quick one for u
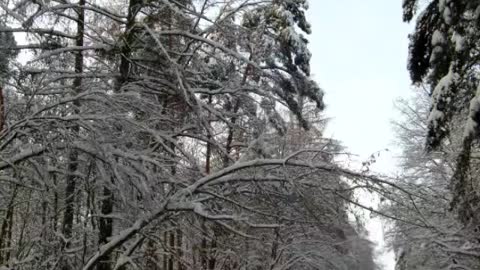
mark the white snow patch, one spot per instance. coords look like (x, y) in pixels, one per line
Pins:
(441, 92)
(444, 9)
(438, 42)
(447, 16)
(441, 5)
(459, 42)
(435, 117)
(471, 126)
(438, 38)
(436, 52)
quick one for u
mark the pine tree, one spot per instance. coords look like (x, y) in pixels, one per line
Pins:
(443, 55)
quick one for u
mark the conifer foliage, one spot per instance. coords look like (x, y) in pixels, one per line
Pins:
(444, 56)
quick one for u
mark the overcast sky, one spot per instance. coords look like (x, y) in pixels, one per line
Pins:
(359, 58)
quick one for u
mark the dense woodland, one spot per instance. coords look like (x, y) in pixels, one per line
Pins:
(168, 135)
(438, 212)
(188, 134)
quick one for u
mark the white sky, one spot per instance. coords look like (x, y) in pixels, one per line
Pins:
(360, 51)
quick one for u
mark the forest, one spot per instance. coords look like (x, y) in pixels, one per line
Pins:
(190, 135)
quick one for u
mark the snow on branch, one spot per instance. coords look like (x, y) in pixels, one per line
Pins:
(68, 49)
(52, 32)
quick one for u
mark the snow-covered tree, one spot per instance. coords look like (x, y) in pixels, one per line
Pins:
(145, 135)
(444, 56)
(425, 233)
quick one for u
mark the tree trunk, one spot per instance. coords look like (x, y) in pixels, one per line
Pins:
(203, 247)
(73, 156)
(204, 254)
(105, 226)
(5, 232)
(2, 110)
(212, 258)
(105, 222)
(165, 255)
(180, 249)
(55, 203)
(171, 241)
